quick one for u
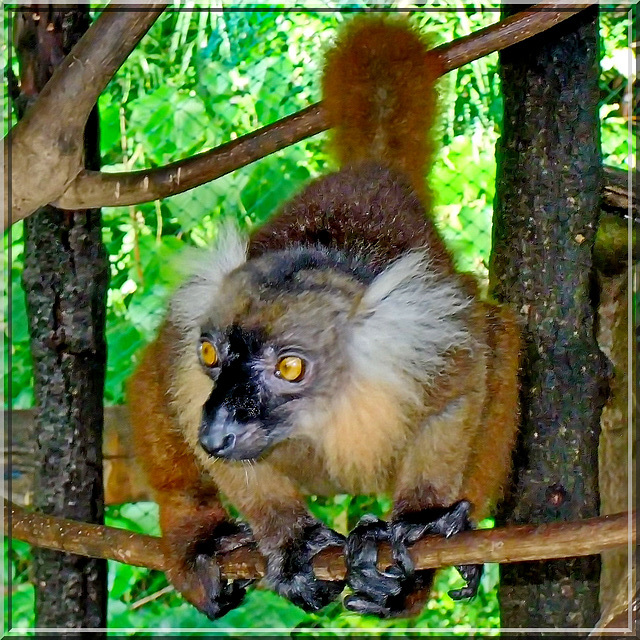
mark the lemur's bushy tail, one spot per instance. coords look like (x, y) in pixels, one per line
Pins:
(379, 94)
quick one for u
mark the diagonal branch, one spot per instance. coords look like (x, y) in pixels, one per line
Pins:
(116, 189)
(44, 149)
(507, 32)
(95, 189)
(509, 544)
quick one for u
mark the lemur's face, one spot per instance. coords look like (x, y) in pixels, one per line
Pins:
(281, 353)
(282, 339)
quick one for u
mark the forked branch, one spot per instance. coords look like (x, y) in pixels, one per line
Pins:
(509, 544)
(44, 149)
(94, 189)
(44, 170)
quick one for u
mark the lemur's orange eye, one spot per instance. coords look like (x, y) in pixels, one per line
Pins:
(290, 368)
(208, 354)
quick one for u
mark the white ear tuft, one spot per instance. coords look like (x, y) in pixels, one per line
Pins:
(407, 320)
(206, 269)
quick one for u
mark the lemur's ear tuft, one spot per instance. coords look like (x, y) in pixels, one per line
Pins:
(205, 270)
(407, 321)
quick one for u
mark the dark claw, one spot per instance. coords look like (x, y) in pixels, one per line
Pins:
(444, 521)
(471, 574)
(384, 593)
(290, 571)
(365, 607)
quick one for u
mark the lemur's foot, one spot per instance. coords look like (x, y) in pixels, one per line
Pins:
(290, 571)
(444, 521)
(385, 593)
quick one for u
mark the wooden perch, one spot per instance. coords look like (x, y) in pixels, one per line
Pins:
(37, 154)
(510, 544)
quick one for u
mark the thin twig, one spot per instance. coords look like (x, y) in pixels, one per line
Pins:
(509, 544)
(150, 598)
(95, 189)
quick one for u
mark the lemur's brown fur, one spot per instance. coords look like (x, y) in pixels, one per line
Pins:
(452, 442)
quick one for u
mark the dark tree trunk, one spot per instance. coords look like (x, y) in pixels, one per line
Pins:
(547, 203)
(65, 280)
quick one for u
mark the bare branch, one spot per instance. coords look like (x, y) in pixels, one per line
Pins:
(510, 544)
(44, 157)
(115, 189)
(509, 31)
(95, 189)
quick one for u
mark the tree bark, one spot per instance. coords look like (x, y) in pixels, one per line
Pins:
(547, 200)
(65, 279)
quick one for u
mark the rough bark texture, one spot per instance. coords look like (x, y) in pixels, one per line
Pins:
(65, 280)
(547, 202)
(617, 455)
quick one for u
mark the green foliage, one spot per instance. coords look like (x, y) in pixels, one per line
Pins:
(617, 90)
(17, 376)
(201, 78)
(19, 592)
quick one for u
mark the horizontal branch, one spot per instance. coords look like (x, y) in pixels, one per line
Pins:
(509, 544)
(617, 198)
(96, 189)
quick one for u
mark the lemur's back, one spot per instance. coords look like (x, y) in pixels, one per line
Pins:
(377, 205)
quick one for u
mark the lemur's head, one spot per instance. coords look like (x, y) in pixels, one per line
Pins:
(280, 338)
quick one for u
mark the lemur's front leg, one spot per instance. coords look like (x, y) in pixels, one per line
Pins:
(194, 532)
(286, 533)
(427, 501)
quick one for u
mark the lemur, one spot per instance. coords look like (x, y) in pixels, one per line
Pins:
(334, 350)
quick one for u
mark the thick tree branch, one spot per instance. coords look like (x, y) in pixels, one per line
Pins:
(42, 157)
(95, 189)
(115, 189)
(510, 544)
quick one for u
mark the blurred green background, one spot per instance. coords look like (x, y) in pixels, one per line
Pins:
(200, 78)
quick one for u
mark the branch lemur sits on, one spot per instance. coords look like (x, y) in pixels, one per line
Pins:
(335, 350)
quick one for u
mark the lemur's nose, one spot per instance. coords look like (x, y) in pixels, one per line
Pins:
(217, 444)
(217, 432)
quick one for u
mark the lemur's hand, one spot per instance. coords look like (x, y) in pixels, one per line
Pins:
(197, 573)
(385, 593)
(290, 571)
(444, 521)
